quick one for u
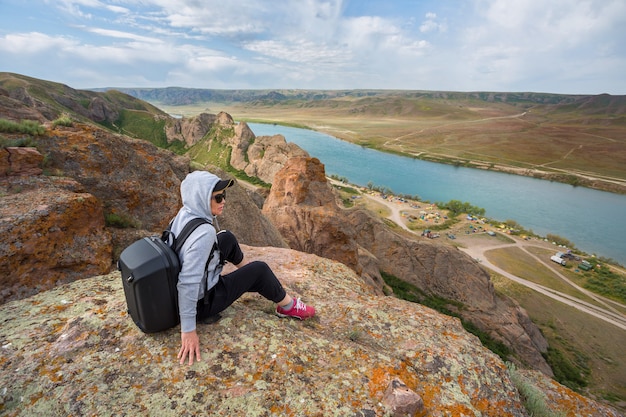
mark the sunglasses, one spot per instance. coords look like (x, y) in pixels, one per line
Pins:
(220, 197)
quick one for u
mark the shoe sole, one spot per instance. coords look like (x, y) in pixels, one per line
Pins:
(288, 316)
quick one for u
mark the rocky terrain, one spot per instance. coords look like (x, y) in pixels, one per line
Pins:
(73, 350)
(68, 207)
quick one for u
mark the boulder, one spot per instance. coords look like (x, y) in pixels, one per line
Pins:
(18, 161)
(52, 232)
(268, 154)
(302, 206)
(135, 180)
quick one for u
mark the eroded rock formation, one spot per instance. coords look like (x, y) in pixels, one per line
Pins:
(302, 205)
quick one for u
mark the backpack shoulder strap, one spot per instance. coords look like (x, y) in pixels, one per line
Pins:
(187, 230)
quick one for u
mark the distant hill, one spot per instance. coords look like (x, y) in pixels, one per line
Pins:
(179, 96)
(579, 111)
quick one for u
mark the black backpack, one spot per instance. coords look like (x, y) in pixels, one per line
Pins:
(150, 268)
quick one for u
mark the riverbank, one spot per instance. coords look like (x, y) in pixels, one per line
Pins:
(521, 137)
(570, 176)
(578, 323)
(415, 216)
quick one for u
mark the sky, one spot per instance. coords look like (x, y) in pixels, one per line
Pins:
(552, 46)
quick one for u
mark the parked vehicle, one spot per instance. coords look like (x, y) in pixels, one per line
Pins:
(558, 260)
(585, 266)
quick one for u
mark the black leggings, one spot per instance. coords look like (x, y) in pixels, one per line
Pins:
(253, 277)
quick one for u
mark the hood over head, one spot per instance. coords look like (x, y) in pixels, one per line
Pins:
(196, 190)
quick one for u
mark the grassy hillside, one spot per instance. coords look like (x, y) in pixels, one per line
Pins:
(122, 113)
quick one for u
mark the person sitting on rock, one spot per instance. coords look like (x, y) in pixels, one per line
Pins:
(203, 292)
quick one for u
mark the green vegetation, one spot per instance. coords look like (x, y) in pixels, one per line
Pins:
(120, 221)
(572, 376)
(347, 193)
(602, 280)
(534, 400)
(141, 124)
(410, 292)
(388, 191)
(560, 240)
(28, 127)
(513, 227)
(63, 120)
(447, 224)
(456, 207)
(23, 142)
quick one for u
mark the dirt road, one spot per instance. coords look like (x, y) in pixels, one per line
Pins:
(477, 249)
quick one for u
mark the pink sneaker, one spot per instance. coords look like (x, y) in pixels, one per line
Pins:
(299, 310)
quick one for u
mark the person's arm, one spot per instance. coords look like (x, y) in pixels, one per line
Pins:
(194, 256)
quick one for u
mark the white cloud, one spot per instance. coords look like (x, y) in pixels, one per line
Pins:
(121, 35)
(431, 24)
(34, 43)
(431, 44)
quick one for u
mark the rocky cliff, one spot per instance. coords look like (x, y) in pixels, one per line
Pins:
(302, 205)
(74, 351)
(97, 192)
(258, 156)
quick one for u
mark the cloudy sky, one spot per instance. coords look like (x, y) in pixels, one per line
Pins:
(556, 46)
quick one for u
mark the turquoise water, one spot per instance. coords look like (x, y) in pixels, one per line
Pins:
(595, 221)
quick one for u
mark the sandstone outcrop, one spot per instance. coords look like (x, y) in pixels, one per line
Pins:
(446, 272)
(133, 179)
(18, 105)
(303, 208)
(52, 232)
(259, 157)
(189, 130)
(74, 351)
(302, 205)
(243, 217)
(268, 154)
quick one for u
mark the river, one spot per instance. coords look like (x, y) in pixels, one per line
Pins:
(594, 221)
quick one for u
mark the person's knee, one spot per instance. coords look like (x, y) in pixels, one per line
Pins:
(226, 239)
(229, 247)
(260, 266)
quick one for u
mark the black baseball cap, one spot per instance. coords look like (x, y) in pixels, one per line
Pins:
(223, 184)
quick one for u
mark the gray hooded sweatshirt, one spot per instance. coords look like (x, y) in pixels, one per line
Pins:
(195, 191)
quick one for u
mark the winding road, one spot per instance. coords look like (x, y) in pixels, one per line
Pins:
(605, 309)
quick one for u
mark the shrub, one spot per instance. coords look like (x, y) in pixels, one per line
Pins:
(23, 142)
(29, 127)
(63, 120)
(533, 399)
(119, 221)
(560, 240)
(456, 207)
(572, 376)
